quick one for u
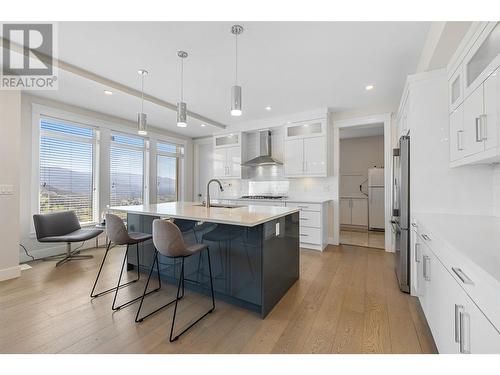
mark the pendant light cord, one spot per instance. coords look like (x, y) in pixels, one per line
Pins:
(142, 93)
(236, 58)
(182, 79)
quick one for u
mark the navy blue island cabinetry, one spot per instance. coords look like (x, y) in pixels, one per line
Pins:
(253, 266)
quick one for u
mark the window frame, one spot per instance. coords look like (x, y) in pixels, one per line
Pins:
(145, 161)
(179, 156)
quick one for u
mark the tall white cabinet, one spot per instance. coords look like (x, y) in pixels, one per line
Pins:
(227, 155)
(307, 151)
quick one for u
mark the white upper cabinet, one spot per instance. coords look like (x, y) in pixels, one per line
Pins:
(227, 155)
(306, 149)
(474, 97)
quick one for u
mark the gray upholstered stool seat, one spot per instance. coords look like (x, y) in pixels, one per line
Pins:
(168, 241)
(65, 227)
(118, 234)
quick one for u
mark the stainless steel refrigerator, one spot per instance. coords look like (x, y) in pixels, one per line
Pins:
(401, 211)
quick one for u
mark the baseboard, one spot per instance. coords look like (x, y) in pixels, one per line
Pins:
(10, 273)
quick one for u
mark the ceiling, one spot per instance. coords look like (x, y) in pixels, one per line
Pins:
(370, 130)
(290, 66)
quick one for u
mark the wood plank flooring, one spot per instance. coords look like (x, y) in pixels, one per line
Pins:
(346, 301)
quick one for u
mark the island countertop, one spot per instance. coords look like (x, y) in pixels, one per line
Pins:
(246, 215)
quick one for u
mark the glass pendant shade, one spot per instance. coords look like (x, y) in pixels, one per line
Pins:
(181, 115)
(142, 123)
(236, 101)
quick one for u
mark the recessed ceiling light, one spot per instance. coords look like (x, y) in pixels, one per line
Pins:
(369, 87)
(107, 92)
(203, 125)
(268, 108)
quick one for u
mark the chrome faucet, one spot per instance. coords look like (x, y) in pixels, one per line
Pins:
(207, 203)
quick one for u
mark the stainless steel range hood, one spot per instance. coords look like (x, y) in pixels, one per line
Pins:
(264, 157)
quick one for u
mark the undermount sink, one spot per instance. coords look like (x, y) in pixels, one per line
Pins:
(219, 205)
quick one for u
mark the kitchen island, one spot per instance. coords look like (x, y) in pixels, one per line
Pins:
(253, 267)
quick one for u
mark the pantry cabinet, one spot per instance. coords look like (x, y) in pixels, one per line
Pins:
(354, 211)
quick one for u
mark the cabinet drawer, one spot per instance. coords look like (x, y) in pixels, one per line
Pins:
(310, 219)
(305, 206)
(310, 235)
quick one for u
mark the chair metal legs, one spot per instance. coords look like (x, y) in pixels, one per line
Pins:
(70, 255)
(138, 276)
(108, 247)
(172, 339)
(155, 260)
(179, 296)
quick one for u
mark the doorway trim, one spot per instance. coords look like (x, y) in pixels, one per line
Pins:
(386, 118)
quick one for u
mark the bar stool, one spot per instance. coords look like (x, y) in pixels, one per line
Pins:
(169, 242)
(117, 233)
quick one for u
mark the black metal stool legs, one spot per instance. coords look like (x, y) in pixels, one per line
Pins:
(155, 260)
(95, 295)
(138, 275)
(181, 282)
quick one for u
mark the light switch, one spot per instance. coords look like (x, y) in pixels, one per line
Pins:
(6, 189)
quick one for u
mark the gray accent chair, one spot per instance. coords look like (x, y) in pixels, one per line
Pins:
(118, 234)
(63, 227)
(168, 241)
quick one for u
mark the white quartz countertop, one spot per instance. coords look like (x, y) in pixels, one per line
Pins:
(474, 238)
(248, 215)
(289, 199)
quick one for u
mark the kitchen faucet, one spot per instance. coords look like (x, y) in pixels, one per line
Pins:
(207, 203)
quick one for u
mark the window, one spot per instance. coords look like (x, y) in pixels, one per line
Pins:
(168, 159)
(66, 169)
(127, 156)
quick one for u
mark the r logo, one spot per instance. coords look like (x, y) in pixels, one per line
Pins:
(36, 42)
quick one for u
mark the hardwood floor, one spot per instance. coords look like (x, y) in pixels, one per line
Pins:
(366, 238)
(346, 301)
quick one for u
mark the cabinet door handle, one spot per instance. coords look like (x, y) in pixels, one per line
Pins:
(458, 310)
(417, 252)
(464, 333)
(484, 128)
(460, 146)
(302, 206)
(304, 235)
(462, 276)
(478, 129)
(427, 267)
(303, 218)
(426, 237)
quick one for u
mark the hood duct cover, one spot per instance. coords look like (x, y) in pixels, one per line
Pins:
(264, 157)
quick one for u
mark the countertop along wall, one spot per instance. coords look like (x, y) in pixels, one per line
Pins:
(27, 237)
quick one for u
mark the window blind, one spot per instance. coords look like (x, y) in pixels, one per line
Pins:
(66, 169)
(126, 170)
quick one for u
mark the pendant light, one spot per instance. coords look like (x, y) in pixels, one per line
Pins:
(236, 90)
(181, 106)
(142, 117)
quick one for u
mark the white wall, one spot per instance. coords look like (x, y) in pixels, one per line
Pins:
(10, 143)
(356, 156)
(435, 187)
(27, 237)
(496, 190)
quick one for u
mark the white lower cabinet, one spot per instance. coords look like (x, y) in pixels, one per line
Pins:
(354, 211)
(456, 322)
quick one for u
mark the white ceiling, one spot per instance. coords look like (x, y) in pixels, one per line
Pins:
(370, 130)
(290, 66)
